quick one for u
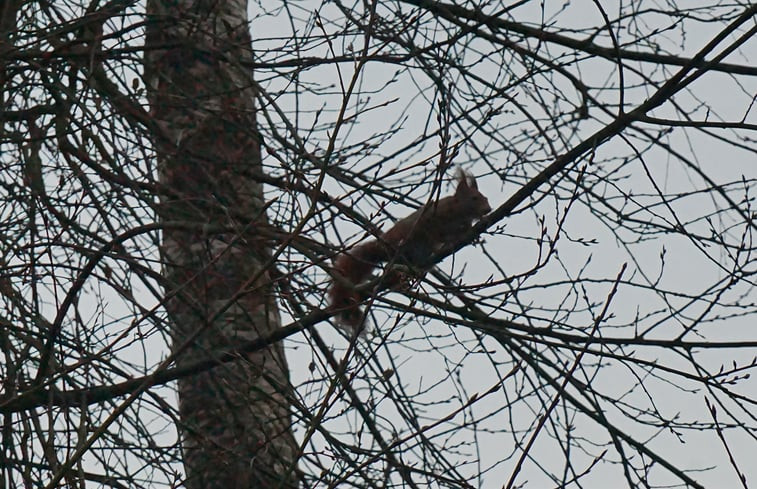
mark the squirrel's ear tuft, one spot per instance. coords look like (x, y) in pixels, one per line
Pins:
(462, 179)
(471, 181)
(465, 180)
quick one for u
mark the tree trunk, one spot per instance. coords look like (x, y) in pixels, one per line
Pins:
(235, 419)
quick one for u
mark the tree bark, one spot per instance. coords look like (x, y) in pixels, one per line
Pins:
(235, 419)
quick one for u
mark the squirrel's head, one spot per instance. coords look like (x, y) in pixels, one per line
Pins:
(475, 203)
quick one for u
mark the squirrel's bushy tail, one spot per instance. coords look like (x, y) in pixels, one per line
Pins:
(353, 267)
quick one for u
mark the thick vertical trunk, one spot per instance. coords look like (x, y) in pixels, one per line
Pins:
(235, 420)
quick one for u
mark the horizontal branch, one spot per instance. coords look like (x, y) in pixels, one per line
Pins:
(455, 12)
(42, 396)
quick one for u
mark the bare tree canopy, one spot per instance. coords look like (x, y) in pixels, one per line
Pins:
(182, 183)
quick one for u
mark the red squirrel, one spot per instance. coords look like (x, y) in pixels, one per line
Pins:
(411, 240)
